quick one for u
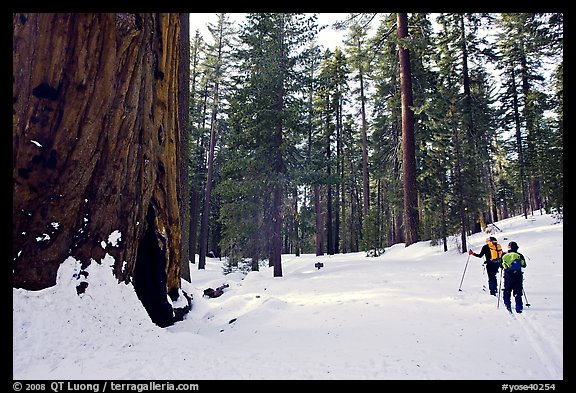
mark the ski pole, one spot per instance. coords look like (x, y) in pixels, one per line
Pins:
(483, 273)
(460, 288)
(525, 298)
(524, 292)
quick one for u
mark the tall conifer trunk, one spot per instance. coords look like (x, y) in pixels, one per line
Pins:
(365, 177)
(213, 130)
(318, 215)
(408, 144)
(278, 165)
(329, 193)
(184, 120)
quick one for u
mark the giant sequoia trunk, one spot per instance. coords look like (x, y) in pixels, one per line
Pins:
(96, 149)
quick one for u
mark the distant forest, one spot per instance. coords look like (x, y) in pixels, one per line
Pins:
(350, 149)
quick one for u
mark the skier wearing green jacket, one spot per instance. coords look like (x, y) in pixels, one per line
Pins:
(512, 263)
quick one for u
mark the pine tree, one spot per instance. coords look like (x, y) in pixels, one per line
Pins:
(408, 143)
(196, 145)
(216, 59)
(358, 60)
(431, 140)
(267, 58)
(387, 125)
(468, 116)
(526, 39)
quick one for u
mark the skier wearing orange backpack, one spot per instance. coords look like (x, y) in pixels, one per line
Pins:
(492, 250)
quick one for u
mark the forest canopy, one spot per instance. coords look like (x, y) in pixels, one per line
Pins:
(317, 133)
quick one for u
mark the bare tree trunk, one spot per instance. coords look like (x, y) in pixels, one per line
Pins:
(398, 225)
(319, 230)
(198, 159)
(462, 209)
(296, 223)
(339, 172)
(276, 253)
(379, 199)
(365, 178)
(96, 149)
(343, 222)
(278, 165)
(397, 211)
(408, 144)
(355, 222)
(329, 197)
(207, 195)
(184, 120)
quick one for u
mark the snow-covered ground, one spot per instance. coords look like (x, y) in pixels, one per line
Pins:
(399, 316)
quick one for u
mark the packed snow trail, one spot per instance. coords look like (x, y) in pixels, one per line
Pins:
(540, 344)
(397, 316)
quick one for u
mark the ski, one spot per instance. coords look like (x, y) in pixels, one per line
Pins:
(512, 312)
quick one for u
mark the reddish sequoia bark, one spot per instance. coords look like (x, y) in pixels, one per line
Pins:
(95, 145)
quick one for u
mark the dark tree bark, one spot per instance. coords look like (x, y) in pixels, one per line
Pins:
(342, 223)
(408, 144)
(463, 138)
(340, 172)
(458, 181)
(296, 223)
(319, 230)
(208, 190)
(184, 120)
(96, 146)
(365, 178)
(198, 160)
(329, 196)
(276, 241)
(355, 218)
(278, 164)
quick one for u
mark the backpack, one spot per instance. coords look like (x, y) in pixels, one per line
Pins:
(495, 252)
(516, 265)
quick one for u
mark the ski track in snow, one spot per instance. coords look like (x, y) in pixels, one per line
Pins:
(537, 341)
